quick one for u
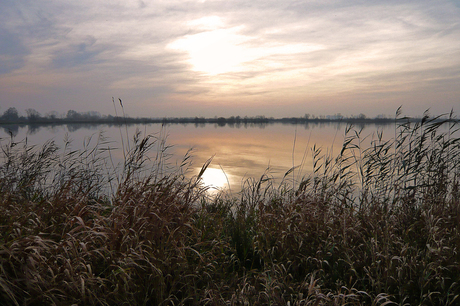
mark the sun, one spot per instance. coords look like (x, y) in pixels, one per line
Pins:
(214, 50)
(215, 178)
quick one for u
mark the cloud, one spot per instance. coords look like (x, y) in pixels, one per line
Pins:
(226, 53)
(77, 55)
(12, 51)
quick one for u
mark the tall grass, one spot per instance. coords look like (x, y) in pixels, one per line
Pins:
(376, 225)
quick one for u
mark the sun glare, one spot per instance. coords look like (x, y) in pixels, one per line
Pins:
(214, 52)
(214, 178)
(216, 49)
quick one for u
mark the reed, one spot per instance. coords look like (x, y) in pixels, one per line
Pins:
(376, 225)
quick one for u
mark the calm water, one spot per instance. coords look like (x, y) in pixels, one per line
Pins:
(238, 153)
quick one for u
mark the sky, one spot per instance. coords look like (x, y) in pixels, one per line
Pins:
(274, 58)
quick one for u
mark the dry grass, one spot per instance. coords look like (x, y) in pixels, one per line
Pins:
(377, 226)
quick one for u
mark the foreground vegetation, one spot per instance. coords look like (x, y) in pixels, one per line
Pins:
(377, 225)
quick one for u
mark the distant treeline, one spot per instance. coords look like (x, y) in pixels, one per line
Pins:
(12, 116)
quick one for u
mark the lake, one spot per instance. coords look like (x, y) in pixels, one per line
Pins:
(239, 152)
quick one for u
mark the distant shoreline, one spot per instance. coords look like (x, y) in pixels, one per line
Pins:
(221, 121)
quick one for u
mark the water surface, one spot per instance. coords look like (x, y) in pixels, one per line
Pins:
(238, 152)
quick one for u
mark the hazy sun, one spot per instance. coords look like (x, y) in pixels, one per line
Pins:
(215, 50)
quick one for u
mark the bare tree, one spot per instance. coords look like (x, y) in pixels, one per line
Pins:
(33, 115)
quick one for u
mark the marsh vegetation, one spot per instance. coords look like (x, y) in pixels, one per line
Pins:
(376, 225)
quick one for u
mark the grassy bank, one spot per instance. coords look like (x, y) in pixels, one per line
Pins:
(377, 225)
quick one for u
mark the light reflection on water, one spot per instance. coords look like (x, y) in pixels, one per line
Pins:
(238, 153)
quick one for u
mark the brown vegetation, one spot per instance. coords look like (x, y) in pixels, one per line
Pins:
(377, 226)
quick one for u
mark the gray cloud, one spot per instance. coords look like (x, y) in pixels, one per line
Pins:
(12, 51)
(79, 54)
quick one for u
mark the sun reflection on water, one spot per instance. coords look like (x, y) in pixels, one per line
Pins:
(215, 179)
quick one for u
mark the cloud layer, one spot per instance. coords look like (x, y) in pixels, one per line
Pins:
(222, 58)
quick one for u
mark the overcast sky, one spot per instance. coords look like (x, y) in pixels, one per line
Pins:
(222, 58)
